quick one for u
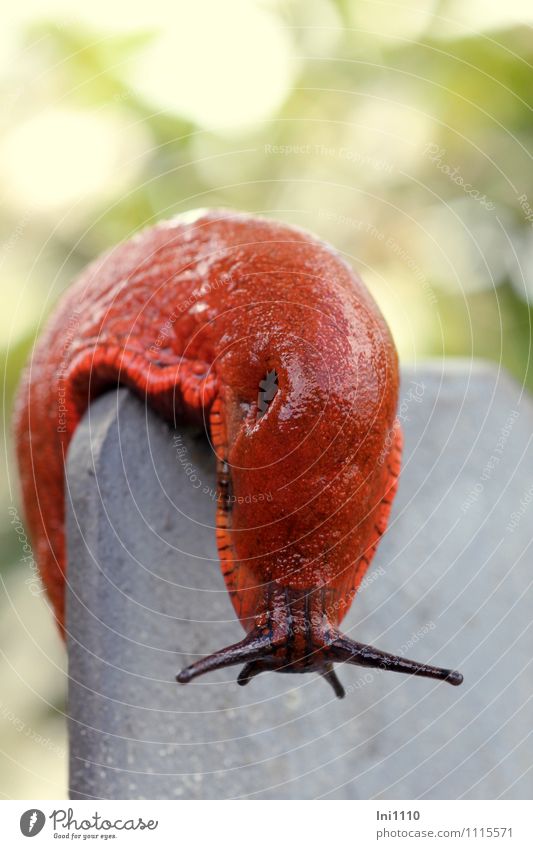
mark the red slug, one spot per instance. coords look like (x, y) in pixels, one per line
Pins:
(265, 333)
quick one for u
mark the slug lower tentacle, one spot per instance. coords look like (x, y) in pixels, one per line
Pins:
(264, 333)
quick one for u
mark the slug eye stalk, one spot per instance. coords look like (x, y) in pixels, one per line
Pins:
(348, 651)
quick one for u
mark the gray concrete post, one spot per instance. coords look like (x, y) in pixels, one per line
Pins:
(450, 585)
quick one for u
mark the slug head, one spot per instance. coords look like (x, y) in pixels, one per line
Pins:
(295, 637)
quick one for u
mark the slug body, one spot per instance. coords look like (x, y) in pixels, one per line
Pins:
(266, 335)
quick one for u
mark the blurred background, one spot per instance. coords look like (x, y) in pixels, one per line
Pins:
(400, 132)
